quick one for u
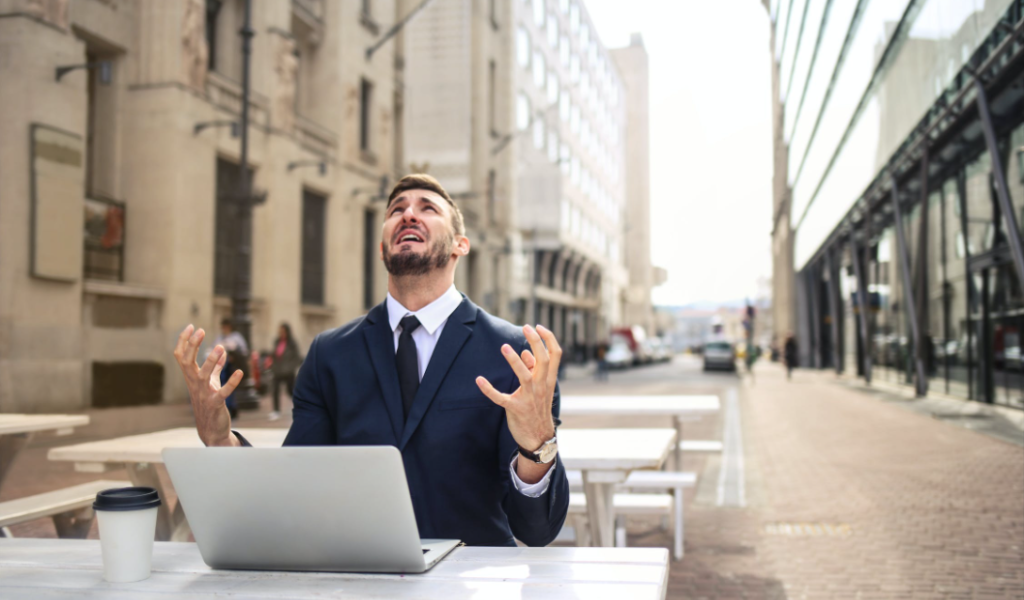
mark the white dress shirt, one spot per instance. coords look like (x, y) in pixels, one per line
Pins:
(432, 318)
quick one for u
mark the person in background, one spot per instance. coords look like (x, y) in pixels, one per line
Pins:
(789, 355)
(287, 361)
(602, 362)
(237, 351)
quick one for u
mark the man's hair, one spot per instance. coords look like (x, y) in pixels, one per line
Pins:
(422, 181)
(226, 321)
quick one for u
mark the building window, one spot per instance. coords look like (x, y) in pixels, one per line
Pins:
(574, 16)
(538, 13)
(522, 111)
(539, 133)
(212, 13)
(314, 208)
(365, 103)
(370, 255)
(563, 106)
(564, 51)
(553, 31)
(552, 88)
(494, 13)
(574, 68)
(492, 95)
(229, 188)
(523, 47)
(539, 69)
(553, 145)
(104, 239)
(584, 35)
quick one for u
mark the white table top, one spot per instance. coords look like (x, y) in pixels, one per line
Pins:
(681, 406)
(604, 449)
(615, 449)
(147, 447)
(56, 569)
(14, 423)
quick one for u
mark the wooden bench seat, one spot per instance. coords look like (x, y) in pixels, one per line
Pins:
(70, 508)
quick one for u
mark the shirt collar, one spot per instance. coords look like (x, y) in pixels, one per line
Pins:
(430, 316)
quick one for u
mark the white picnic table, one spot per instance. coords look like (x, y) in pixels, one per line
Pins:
(681, 408)
(72, 569)
(139, 453)
(17, 429)
(606, 457)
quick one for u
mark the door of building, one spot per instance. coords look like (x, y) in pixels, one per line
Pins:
(997, 324)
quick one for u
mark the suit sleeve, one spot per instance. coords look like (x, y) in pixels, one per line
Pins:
(312, 420)
(535, 521)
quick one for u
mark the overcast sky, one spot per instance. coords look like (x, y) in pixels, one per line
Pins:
(711, 161)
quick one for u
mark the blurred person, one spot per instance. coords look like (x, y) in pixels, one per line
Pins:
(287, 360)
(602, 362)
(236, 351)
(789, 355)
(458, 391)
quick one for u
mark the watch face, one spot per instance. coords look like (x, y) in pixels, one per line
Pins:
(547, 452)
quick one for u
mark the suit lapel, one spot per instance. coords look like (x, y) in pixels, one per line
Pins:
(381, 342)
(454, 335)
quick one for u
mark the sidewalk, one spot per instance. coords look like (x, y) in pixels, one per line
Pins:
(917, 507)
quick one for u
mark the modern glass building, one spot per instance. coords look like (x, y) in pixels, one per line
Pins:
(900, 189)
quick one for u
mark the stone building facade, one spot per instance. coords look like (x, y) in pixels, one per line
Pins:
(122, 112)
(88, 315)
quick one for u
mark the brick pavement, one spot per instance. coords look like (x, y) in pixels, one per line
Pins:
(933, 510)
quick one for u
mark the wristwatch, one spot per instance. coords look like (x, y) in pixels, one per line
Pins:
(543, 455)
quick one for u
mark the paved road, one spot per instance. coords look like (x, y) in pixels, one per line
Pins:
(844, 494)
(848, 495)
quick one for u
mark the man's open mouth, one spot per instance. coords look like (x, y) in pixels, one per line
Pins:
(409, 236)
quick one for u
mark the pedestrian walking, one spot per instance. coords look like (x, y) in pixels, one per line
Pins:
(789, 355)
(237, 351)
(602, 362)
(286, 362)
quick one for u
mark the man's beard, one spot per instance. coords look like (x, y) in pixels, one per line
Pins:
(412, 263)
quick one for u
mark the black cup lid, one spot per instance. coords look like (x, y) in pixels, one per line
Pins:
(129, 498)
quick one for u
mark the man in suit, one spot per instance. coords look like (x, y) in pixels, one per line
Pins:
(470, 400)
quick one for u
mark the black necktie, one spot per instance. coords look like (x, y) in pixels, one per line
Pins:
(408, 363)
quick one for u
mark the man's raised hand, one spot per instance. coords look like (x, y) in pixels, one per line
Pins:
(204, 389)
(529, 407)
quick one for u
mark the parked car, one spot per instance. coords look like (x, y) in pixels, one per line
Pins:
(660, 351)
(619, 356)
(719, 355)
(634, 337)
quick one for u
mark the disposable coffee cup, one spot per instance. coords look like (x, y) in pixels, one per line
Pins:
(127, 518)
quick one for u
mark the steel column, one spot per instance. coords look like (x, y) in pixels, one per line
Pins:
(1002, 190)
(862, 306)
(813, 289)
(901, 241)
(833, 309)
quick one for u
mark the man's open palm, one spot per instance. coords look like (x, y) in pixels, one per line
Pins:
(208, 396)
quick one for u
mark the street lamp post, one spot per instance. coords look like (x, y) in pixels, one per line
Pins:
(241, 299)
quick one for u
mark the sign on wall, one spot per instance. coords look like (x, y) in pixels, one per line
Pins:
(57, 179)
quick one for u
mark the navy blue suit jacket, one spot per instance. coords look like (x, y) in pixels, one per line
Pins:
(456, 444)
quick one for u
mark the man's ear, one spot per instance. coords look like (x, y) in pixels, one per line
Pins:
(382, 250)
(462, 245)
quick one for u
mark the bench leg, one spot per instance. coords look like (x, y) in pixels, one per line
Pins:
(678, 537)
(10, 446)
(145, 475)
(582, 529)
(74, 524)
(5, 532)
(620, 531)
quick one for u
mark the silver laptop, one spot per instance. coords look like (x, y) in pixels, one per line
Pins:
(340, 508)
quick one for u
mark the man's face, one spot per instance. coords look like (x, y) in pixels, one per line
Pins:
(418, 235)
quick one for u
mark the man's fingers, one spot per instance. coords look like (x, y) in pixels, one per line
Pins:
(554, 352)
(193, 346)
(182, 343)
(489, 391)
(215, 376)
(230, 384)
(211, 362)
(540, 353)
(518, 366)
(528, 359)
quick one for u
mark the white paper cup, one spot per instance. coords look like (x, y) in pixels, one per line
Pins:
(127, 523)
